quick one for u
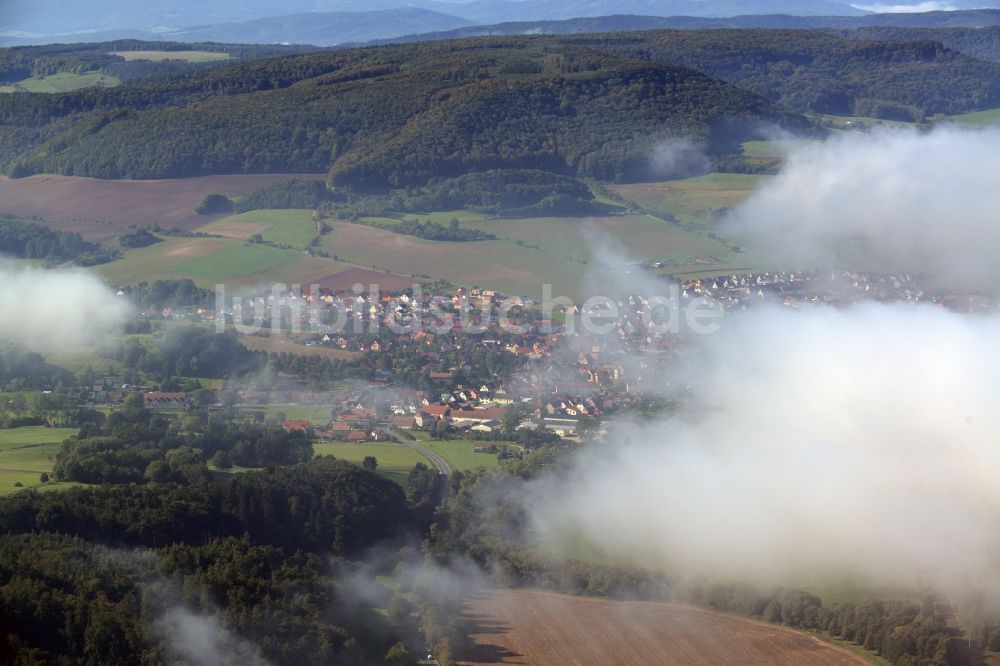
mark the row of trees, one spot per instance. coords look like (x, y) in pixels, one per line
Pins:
(26, 239)
(505, 192)
(900, 631)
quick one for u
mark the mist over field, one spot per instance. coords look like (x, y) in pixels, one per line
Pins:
(900, 199)
(818, 443)
(821, 443)
(48, 310)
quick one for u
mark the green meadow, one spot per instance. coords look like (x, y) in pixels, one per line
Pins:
(394, 460)
(282, 226)
(25, 453)
(990, 118)
(459, 453)
(62, 82)
(189, 56)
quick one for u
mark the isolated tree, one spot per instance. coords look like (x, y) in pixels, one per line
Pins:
(398, 655)
(222, 460)
(214, 203)
(370, 463)
(44, 478)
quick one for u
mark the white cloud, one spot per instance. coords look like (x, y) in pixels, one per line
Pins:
(905, 200)
(822, 443)
(48, 310)
(202, 641)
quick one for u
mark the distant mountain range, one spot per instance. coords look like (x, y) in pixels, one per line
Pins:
(977, 18)
(324, 28)
(332, 22)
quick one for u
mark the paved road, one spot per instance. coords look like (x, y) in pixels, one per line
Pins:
(444, 469)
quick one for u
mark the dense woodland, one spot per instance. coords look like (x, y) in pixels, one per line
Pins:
(822, 72)
(504, 192)
(982, 43)
(406, 114)
(100, 575)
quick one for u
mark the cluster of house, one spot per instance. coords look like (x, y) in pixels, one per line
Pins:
(372, 413)
(571, 376)
(836, 287)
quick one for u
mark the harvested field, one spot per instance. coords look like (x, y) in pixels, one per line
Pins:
(534, 627)
(189, 56)
(101, 209)
(345, 280)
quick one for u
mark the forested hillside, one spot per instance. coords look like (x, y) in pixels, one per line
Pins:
(819, 71)
(391, 117)
(982, 43)
(385, 117)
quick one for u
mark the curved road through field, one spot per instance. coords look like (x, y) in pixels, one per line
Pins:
(443, 468)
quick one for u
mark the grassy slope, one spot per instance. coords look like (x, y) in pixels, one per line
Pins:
(317, 415)
(394, 460)
(63, 82)
(690, 199)
(989, 118)
(75, 360)
(557, 251)
(189, 56)
(287, 227)
(459, 453)
(209, 261)
(27, 452)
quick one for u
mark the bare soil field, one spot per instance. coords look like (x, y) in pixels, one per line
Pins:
(535, 627)
(345, 280)
(99, 209)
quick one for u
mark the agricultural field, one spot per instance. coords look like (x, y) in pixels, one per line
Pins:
(103, 209)
(27, 452)
(76, 360)
(691, 200)
(535, 627)
(438, 217)
(61, 82)
(189, 56)
(277, 345)
(990, 118)
(286, 227)
(210, 261)
(315, 414)
(233, 262)
(528, 252)
(773, 148)
(460, 454)
(394, 460)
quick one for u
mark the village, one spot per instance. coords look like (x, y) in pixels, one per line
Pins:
(487, 366)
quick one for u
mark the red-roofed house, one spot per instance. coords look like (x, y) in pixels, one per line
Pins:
(296, 425)
(429, 414)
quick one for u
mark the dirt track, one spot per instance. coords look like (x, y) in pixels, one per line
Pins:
(534, 627)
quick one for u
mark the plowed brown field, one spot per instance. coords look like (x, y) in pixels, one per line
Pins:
(534, 627)
(98, 209)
